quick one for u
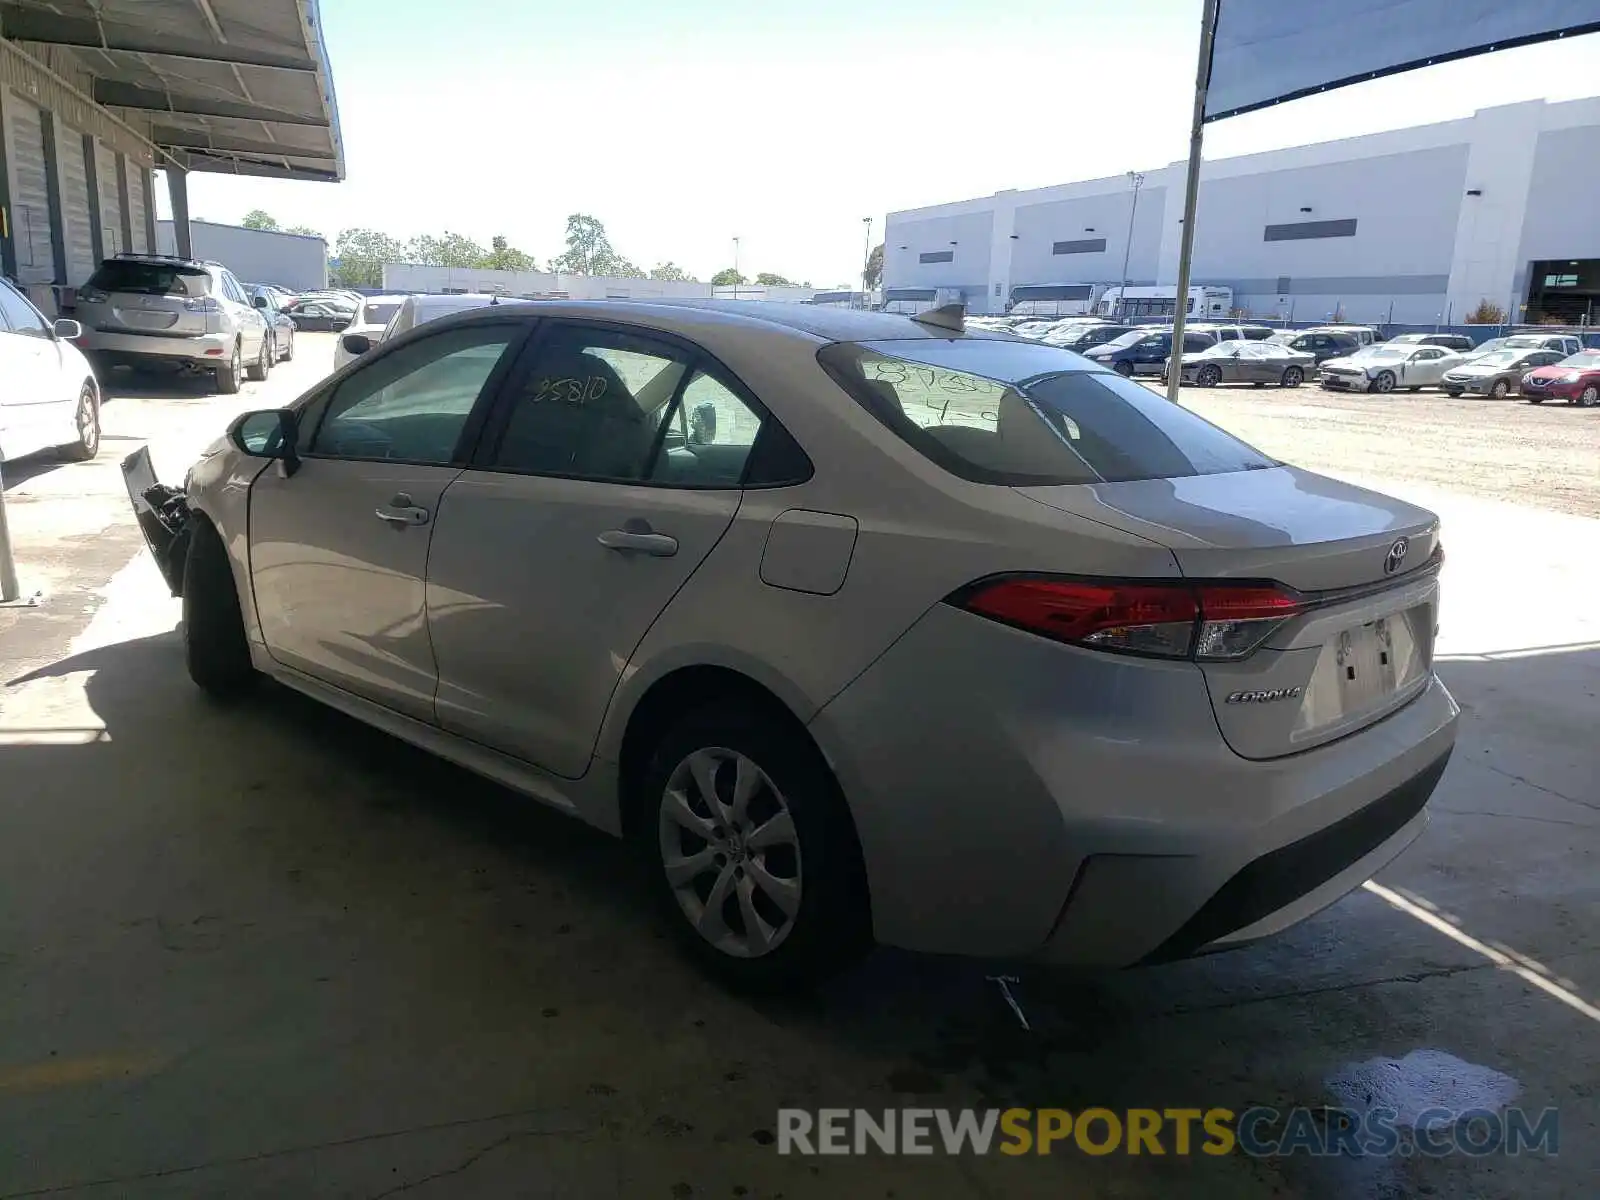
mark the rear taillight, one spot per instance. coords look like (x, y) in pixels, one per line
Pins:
(1204, 621)
(202, 304)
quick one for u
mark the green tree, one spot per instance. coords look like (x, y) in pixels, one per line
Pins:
(258, 219)
(622, 268)
(875, 266)
(362, 253)
(503, 256)
(304, 230)
(768, 279)
(450, 250)
(727, 277)
(588, 250)
(671, 271)
(1487, 313)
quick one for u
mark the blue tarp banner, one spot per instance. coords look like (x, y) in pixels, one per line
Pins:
(1267, 51)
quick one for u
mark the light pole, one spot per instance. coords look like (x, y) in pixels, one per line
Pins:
(1136, 178)
(866, 260)
(735, 268)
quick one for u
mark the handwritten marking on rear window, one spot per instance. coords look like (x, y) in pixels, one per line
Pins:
(568, 391)
(933, 396)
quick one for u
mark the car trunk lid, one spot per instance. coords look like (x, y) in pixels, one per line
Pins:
(1364, 565)
(154, 298)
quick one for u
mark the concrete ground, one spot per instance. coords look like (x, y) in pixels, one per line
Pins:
(267, 952)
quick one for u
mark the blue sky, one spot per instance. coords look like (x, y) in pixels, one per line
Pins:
(682, 123)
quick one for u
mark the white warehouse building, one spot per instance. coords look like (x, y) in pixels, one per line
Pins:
(1417, 225)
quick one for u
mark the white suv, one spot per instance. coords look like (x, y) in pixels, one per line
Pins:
(141, 310)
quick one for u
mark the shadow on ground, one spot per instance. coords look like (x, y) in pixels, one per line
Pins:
(325, 960)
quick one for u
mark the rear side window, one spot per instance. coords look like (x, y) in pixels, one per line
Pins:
(151, 279)
(378, 314)
(1056, 427)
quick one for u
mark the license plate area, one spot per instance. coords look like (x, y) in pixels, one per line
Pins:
(1365, 669)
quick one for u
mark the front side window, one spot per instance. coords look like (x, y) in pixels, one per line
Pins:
(1032, 417)
(18, 313)
(412, 405)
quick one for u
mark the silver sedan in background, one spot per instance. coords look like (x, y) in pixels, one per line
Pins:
(1259, 363)
(862, 628)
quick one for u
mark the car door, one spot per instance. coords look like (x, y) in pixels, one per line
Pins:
(31, 392)
(610, 469)
(252, 323)
(339, 548)
(1427, 366)
(1149, 355)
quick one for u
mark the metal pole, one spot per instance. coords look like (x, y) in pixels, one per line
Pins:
(1136, 178)
(735, 268)
(10, 589)
(1191, 190)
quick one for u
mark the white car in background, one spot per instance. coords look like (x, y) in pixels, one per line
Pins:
(49, 399)
(1383, 368)
(370, 320)
(412, 311)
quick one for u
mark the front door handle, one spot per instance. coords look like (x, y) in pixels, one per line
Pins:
(634, 541)
(401, 512)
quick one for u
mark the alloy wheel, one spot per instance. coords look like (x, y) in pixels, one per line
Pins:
(236, 368)
(1293, 376)
(1590, 396)
(730, 852)
(88, 423)
(1500, 390)
(1209, 377)
(1383, 383)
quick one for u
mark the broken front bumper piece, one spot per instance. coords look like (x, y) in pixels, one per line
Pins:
(163, 514)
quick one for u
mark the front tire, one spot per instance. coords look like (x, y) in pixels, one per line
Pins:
(1292, 377)
(230, 376)
(87, 419)
(1589, 397)
(1500, 390)
(752, 852)
(1383, 384)
(214, 644)
(1125, 369)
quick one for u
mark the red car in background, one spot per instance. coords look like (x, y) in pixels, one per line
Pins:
(1575, 379)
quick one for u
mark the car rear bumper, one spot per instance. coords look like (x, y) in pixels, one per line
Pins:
(204, 349)
(1018, 799)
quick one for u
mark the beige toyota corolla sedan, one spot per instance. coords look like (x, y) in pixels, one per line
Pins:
(862, 627)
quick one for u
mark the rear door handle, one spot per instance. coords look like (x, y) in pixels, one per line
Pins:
(632, 541)
(402, 512)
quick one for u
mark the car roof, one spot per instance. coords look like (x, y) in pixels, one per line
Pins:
(817, 322)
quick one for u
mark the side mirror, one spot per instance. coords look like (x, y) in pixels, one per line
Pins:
(270, 433)
(356, 343)
(66, 330)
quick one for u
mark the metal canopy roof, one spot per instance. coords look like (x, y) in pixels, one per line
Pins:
(240, 87)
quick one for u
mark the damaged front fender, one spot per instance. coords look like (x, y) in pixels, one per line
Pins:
(163, 514)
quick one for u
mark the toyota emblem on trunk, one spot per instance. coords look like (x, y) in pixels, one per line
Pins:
(1397, 556)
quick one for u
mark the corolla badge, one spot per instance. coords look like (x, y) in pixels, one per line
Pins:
(1266, 696)
(1397, 555)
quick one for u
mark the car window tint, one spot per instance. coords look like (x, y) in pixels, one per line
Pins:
(709, 438)
(1059, 427)
(413, 404)
(591, 405)
(20, 315)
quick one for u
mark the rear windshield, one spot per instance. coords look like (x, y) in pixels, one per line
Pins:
(151, 279)
(1026, 414)
(379, 314)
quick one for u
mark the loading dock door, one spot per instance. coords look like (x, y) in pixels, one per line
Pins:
(105, 174)
(141, 239)
(30, 195)
(77, 229)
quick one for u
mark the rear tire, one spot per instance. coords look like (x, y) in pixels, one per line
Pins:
(214, 644)
(258, 370)
(1418, 388)
(1535, 399)
(288, 350)
(794, 831)
(229, 375)
(87, 418)
(1292, 377)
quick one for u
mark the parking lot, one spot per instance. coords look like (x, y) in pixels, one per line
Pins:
(266, 951)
